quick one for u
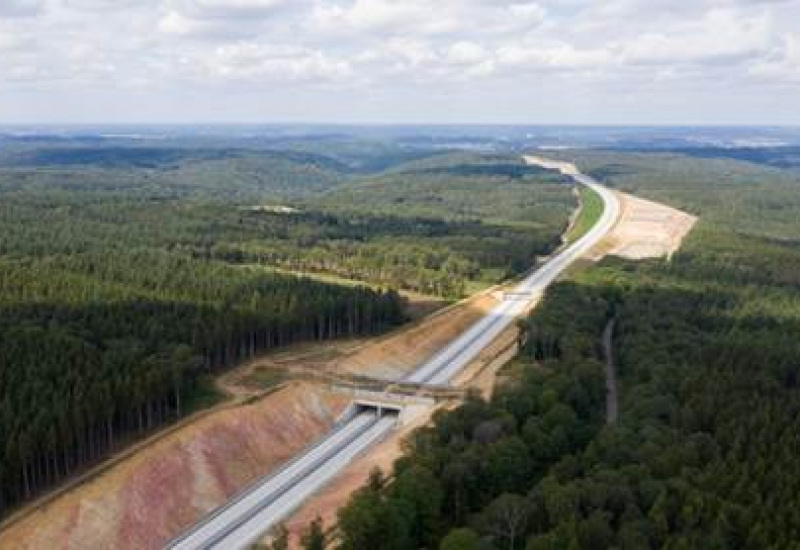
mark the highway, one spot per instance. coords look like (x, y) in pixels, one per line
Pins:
(278, 508)
(450, 360)
(240, 508)
(271, 499)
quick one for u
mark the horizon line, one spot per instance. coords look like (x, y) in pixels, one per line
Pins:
(413, 124)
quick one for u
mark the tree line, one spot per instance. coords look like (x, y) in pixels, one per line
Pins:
(96, 348)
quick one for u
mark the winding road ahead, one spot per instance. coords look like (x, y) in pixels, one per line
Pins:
(271, 499)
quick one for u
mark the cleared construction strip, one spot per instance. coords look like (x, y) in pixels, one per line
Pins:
(273, 498)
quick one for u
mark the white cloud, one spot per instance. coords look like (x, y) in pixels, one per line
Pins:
(426, 18)
(12, 41)
(720, 35)
(680, 52)
(231, 9)
(254, 62)
(465, 52)
(408, 16)
(20, 8)
(175, 23)
(529, 13)
(783, 64)
(223, 19)
(561, 56)
(107, 5)
(412, 52)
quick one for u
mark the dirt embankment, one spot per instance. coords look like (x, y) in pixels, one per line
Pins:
(151, 496)
(398, 353)
(386, 357)
(144, 501)
(646, 229)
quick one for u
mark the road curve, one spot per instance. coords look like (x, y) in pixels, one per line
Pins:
(271, 499)
(450, 360)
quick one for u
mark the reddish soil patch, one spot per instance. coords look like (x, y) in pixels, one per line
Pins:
(151, 497)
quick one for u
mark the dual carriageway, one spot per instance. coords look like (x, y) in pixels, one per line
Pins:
(271, 499)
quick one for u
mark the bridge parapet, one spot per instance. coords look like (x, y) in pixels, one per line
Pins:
(406, 406)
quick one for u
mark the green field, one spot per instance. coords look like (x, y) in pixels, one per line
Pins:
(588, 215)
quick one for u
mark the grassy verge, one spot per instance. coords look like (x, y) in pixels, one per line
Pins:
(266, 378)
(322, 277)
(591, 210)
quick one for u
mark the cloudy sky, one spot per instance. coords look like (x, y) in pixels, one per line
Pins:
(549, 61)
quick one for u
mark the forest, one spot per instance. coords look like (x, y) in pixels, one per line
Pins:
(130, 275)
(705, 453)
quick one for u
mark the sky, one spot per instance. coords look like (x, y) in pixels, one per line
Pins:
(686, 62)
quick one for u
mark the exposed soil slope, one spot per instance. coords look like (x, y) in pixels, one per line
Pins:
(151, 497)
(386, 357)
(399, 353)
(646, 229)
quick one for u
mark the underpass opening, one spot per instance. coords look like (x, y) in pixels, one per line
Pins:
(380, 409)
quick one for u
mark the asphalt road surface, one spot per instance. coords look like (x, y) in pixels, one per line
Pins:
(271, 499)
(450, 360)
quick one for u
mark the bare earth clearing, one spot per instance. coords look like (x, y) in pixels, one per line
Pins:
(148, 498)
(153, 495)
(646, 229)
